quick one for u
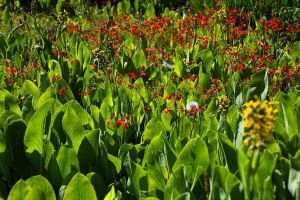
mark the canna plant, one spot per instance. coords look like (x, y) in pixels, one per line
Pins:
(166, 103)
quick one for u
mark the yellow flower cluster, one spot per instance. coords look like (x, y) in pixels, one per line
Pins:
(223, 103)
(259, 118)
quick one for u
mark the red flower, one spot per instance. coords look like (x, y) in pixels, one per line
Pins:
(215, 80)
(193, 77)
(87, 92)
(177, 97)
(36, 65)
(119, 122)
(61, 91)
(10, 81)
(56, 53)
(132, 75)
(167, 110)
(9, 71)
(292, 28)
(75, 61)
(64, 53)
(168, 97)
(147, 108)
(122, 123)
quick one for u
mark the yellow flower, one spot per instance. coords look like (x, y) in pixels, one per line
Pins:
(223, 103)
(259, 118)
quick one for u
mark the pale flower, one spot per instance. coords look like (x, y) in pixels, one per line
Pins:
(191, 106)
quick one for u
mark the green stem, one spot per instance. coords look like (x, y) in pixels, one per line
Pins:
(254, 157)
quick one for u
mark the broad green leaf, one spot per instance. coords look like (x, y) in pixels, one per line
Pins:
(84, 55)
(98, 184)
(268, 189)
(153, 128)
(64, 165)
(166, 119)
(204, 80)
(260, 85)
(225, 179)
(19, 191)
(155, 160)
(111, 195)
(73, 128)
(207, 59)
(109, 92)
(30, 88)
(14, 133)
(178, 67)
(139, 59)
(48, 94)
(177, 184)
(87, 153)
(193, 155)
(287, 119)
(294, 183)
(230, 151)
(43, 185)
(243, 164)
(8, 102)
(150, 11)
(137, 181)
(185, 127)
(82, 114)
(116, 161)
(5, 15)
(36, 131)
(232, 117)
(80, 188)
(2, 142)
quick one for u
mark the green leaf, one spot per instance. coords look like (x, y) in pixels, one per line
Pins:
(19, 191)
(204, 80)
(87, 153)
(150, 11)
(177, 183)
(8, 102)
(98, 184)
(232, 117)
(286, 122)
(73, 128)
(5, 15)
(14, 133)
(48, 94)
(35, 132)
(137, 177)
(111, 195)
(207, 59)
(260, 85)
(43, 185)
(139, 59)
(153, 128)
(294, 183)
(29, 88)
(84, 55)
(109, 92)
(224, 179)
(64, 165)
(193, 155)
(265, 168)
(80, 188)
(155, 160)
(166, 119)
(116, 161)
(178, 67)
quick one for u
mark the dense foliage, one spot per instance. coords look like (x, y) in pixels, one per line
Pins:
(112, 103)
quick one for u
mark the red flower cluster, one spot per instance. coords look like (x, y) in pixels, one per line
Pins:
(275, 24)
